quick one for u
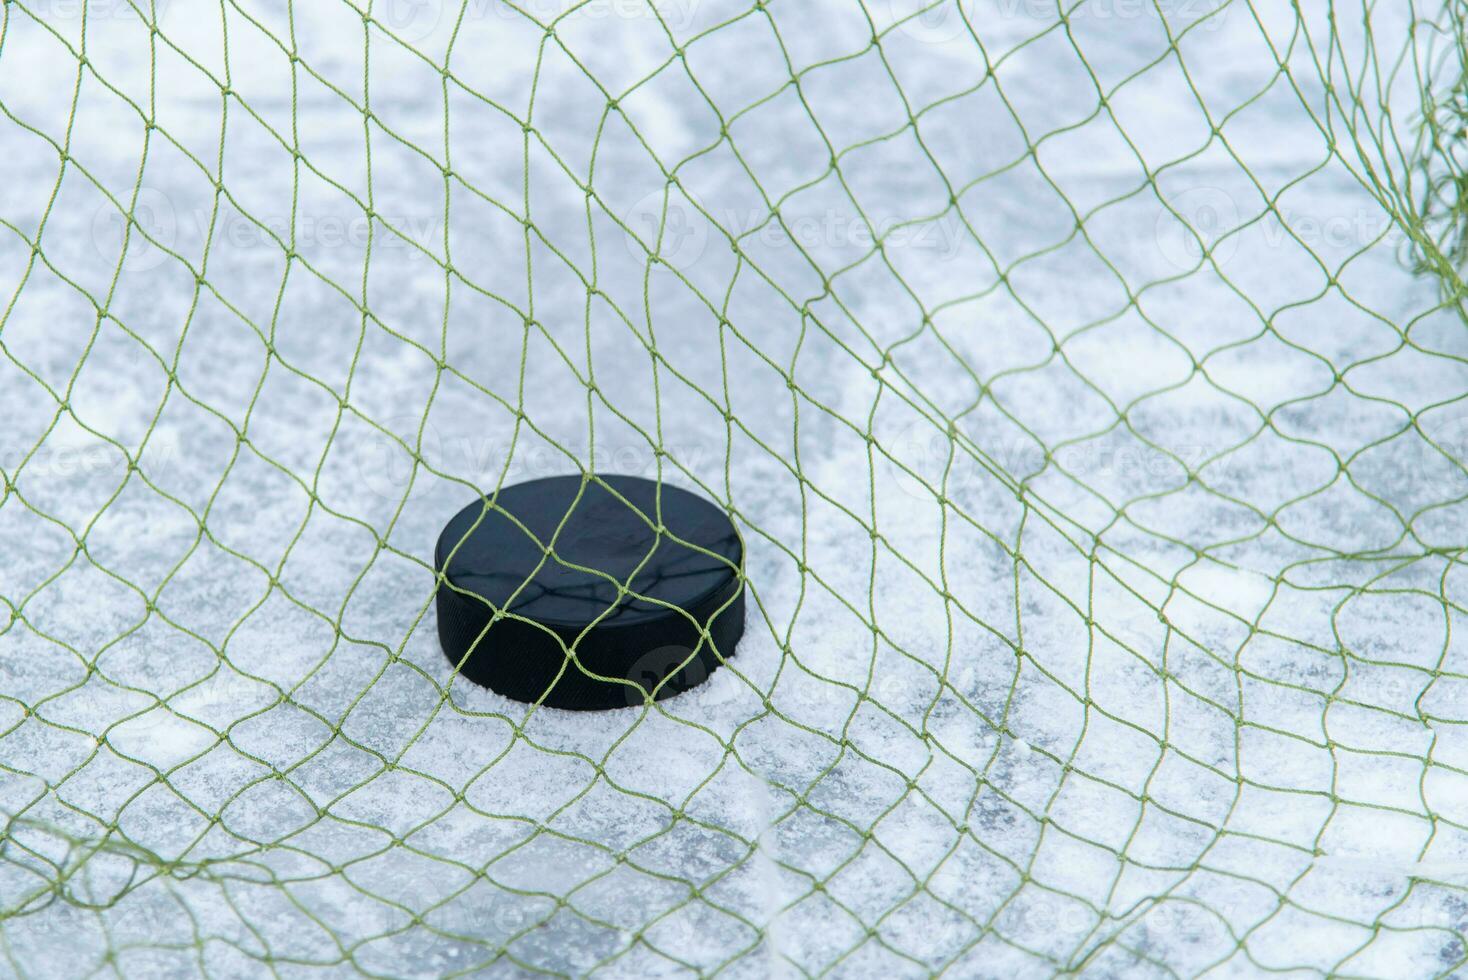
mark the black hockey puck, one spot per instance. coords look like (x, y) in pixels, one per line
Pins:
(565, 564)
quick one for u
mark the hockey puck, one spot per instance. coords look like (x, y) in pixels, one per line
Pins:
(570, 565)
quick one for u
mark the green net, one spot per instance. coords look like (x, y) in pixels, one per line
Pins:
(1086, 381)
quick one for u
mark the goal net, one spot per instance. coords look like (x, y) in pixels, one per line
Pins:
(1086, 380)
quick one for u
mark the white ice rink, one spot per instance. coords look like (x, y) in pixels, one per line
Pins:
(1107, 597)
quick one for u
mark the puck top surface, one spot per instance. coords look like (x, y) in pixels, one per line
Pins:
(484, 551)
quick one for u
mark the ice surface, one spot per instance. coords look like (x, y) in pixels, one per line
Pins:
(1128, 643)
